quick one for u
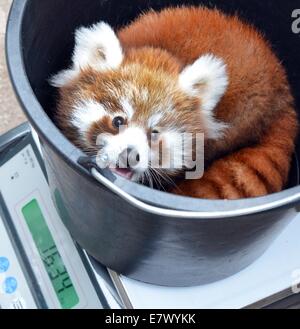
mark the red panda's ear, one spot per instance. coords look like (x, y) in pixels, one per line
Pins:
(207, 79)
(96, 47)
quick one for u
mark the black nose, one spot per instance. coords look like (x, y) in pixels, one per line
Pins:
(129, 158)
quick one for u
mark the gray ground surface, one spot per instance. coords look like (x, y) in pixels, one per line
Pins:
(10, 113)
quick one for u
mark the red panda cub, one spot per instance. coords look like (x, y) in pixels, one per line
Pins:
(182, 70)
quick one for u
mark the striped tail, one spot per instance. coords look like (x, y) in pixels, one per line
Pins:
(252, 171)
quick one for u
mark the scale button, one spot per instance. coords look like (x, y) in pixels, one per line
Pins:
(10, 285)
(4, 264)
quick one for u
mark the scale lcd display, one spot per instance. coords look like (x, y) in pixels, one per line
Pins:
(50, 255)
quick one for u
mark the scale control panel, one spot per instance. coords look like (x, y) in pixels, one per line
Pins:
(40, 266)
(14, 290)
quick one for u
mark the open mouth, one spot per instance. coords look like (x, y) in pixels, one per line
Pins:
(124, 172)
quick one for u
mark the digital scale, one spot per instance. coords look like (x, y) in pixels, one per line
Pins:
(42, 267)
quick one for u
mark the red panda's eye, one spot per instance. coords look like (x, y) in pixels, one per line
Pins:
(118, 122)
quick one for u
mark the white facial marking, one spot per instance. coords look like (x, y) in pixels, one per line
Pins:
(131, 137)
(127, 107)
(85, 113)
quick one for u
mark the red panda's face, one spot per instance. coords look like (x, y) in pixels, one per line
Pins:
(132, 109)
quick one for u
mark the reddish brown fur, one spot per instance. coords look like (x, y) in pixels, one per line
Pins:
(258, 103)
(149, 68)
(252, 171)
(253, 158)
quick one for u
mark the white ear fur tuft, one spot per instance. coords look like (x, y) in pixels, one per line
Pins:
(62, 78)
(97, 47)
(85, 113)
(207, 79)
